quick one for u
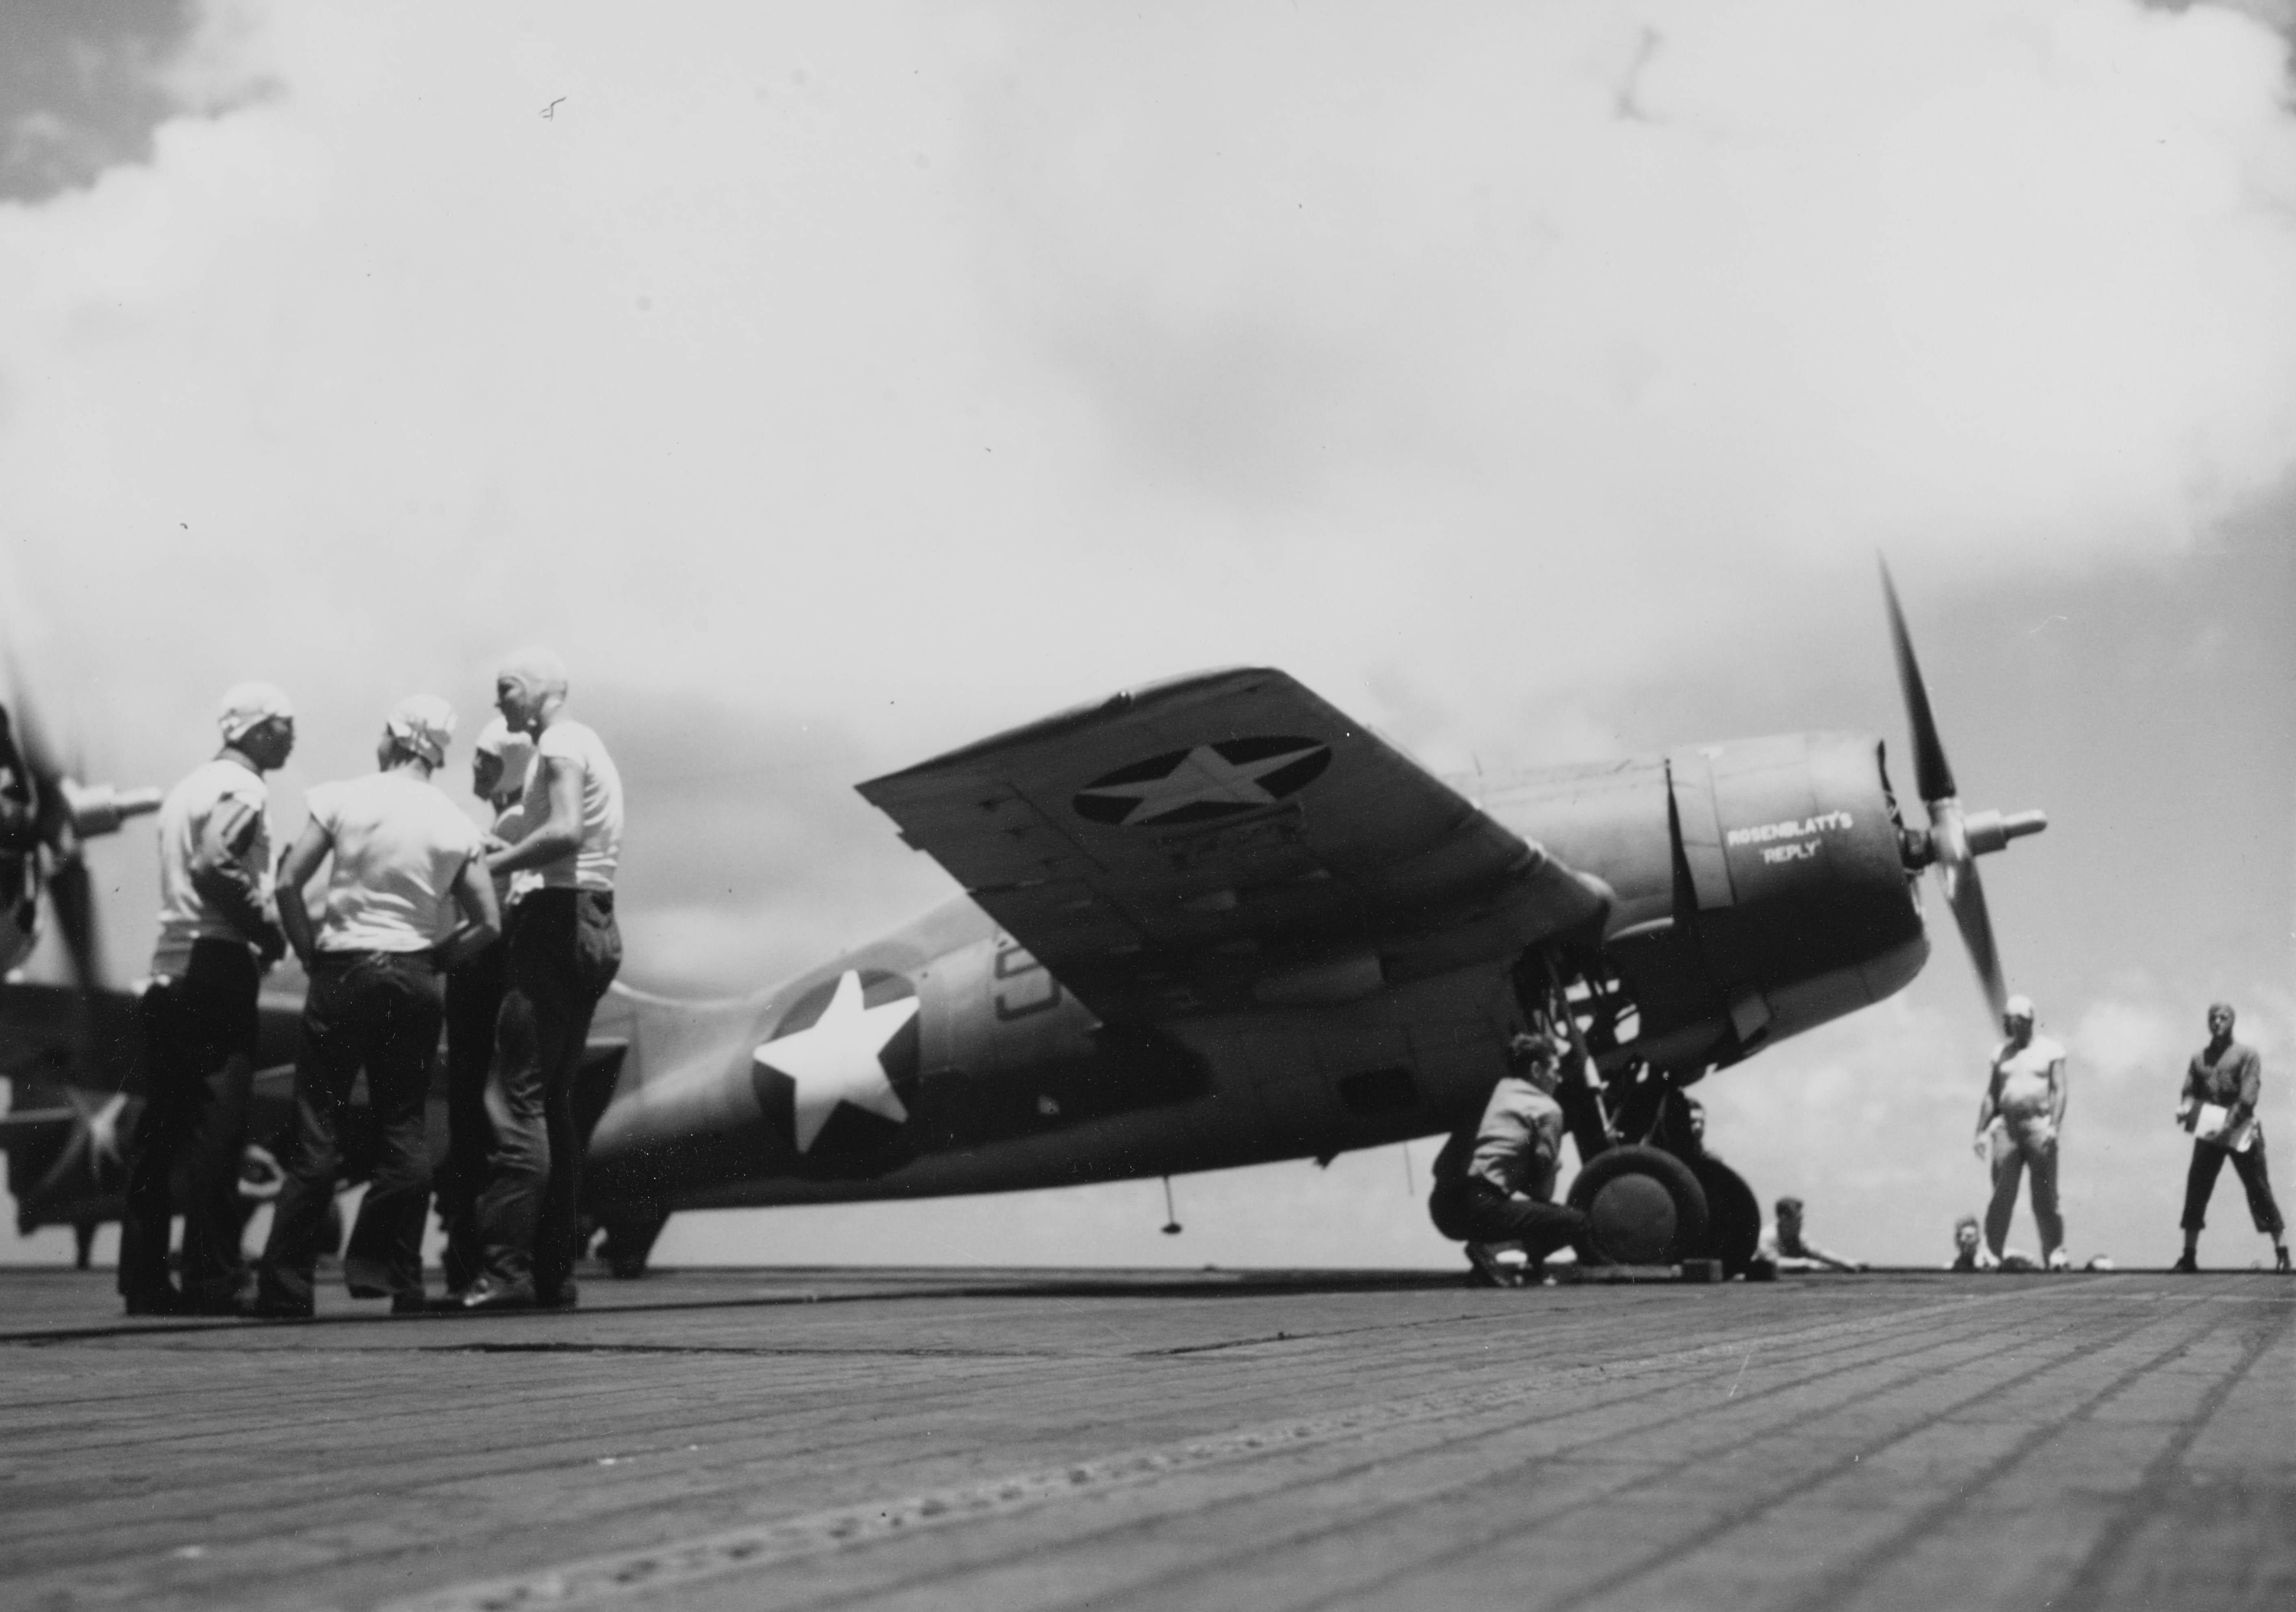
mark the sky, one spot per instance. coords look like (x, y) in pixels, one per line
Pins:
(834, 385)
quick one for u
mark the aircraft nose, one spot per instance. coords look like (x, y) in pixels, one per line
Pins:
(1915, 849)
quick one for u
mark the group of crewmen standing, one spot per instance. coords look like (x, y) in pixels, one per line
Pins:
(506, 939)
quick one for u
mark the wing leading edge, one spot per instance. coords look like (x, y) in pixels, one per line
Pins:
(1224, 839)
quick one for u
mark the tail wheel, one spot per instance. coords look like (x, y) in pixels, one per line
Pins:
(630, 1233)
(1645, 1207)
(1733, 1220)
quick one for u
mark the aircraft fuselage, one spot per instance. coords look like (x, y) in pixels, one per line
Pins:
(1758, 889)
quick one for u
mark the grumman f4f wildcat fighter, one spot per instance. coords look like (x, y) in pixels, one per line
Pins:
(1215, 922)
(1208, 922)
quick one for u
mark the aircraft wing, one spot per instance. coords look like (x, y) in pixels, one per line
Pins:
(1224, 839)
(55, 1036)
(39, 1122)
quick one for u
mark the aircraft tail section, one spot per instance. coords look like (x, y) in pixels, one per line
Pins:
(634, 1037)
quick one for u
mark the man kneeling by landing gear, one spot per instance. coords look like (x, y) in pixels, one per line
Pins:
(1495, 1180)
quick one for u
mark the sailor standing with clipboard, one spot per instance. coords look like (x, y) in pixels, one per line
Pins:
(2221, 1087)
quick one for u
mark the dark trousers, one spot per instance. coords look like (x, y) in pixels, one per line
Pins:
(199, 1069)
(564, 952)
(475, 1000)
(1474, 1211)
(380, 1010)
(2201, 1185)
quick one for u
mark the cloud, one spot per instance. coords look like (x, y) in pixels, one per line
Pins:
(2121, 1038)
(833, 387)
(1124, 345)
(82, 86)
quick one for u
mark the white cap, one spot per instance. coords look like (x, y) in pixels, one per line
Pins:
(246, 706)
(514, 750)
(424, 724)
(538, 668)
(2017, 1007)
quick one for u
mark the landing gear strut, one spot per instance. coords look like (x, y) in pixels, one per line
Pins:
(630, 1230)
(1654, 1192)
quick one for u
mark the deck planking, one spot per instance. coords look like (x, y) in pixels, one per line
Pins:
(1028, 1439)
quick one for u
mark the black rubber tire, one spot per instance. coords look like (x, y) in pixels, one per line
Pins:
(1733, 1215)
(1621, 1165)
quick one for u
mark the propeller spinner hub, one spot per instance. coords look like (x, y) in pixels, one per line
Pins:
(1986, 832)
(1948, 831)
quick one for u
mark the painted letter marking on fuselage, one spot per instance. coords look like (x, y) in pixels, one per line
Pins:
(835, 1059)
(1762, 833)
(1039, 991)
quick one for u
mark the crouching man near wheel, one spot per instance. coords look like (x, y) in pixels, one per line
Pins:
(1495, 1180)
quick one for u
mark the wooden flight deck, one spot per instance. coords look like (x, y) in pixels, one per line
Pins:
(937, 1439)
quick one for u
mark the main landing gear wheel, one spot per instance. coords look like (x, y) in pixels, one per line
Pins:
(1646, 1206)
(1733, 1215)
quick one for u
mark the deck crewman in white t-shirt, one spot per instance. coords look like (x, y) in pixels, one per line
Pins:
(215, 938)
(408, 898)
(2017, 1128)
(564, 950)
(500, 760)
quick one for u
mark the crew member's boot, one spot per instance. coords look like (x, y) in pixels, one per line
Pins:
(1497, 1265)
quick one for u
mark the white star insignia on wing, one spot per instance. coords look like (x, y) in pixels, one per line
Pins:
(104, 1142)
(835, 1058)
(1203, 775)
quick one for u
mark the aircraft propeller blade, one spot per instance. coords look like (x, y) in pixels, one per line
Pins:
(1955, 840)
(33, 740)
(74, 895)
(79, 1144)
(1932, 773)
(1964, 894)
(68, 814)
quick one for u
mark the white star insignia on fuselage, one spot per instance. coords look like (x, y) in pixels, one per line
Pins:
(1203, 777)
(835, 1058)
